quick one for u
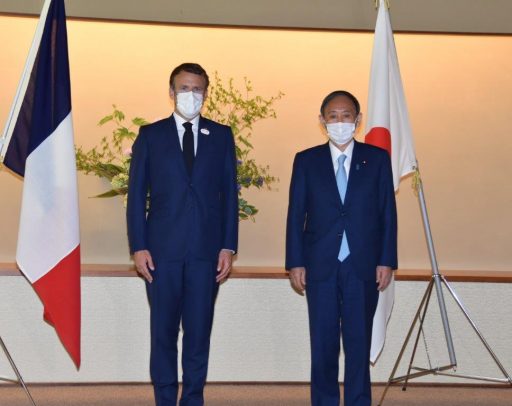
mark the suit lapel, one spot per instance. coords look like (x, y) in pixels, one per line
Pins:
(327, 172)
(355, 172)
(203, 143)
(177, 152)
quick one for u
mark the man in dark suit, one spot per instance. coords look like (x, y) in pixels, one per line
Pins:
(182, 218)
(341, 248)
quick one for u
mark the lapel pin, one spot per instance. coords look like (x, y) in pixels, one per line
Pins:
(204, 131)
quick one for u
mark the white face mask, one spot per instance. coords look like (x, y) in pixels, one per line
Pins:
(341, 133)
(189, 104)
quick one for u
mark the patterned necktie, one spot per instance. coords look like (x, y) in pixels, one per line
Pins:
(341, 181)
(188, 147)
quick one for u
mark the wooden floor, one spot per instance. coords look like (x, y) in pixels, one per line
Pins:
(247, 395)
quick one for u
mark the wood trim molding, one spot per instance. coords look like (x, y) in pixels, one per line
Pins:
(267, 272)
(411, 15)
(462, 385)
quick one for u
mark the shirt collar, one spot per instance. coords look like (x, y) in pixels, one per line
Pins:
(335, 151)
(180, 121)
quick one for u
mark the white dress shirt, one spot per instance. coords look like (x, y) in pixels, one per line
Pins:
(336, 153)
(181, 130)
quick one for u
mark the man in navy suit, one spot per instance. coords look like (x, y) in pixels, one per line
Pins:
(341, 248)
(182, 218)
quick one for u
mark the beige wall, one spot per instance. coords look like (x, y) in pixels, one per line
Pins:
(253, 340)
(459, 90)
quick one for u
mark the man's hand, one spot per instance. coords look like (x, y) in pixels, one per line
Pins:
(143, 264)
(298, 279)
(224, 265)
(384, 274)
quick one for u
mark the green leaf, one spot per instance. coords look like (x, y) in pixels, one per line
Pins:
(113, 168)
(119, 115)
(110, 193)
(106, 119)
(138, 121)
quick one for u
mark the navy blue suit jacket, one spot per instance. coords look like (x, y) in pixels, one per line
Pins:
(186, 215)
(317, 217)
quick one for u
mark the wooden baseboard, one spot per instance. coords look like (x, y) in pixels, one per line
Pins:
(268, 272)
(262, 383)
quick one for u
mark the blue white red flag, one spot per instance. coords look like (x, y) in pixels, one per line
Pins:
(38, 146)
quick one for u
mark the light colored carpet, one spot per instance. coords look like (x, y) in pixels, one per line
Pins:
(247, 395)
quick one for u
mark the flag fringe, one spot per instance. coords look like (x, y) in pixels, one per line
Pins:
(416, 181)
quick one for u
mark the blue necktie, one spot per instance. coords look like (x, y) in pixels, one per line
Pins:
(341, 181)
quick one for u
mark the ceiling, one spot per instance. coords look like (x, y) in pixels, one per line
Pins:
(457, 16)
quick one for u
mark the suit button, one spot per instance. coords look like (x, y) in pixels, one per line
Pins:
(343, 213)
(191, 184)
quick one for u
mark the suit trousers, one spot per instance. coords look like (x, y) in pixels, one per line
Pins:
(183, 293)
(343, 304)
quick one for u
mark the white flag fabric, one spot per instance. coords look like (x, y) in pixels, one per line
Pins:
(387, 127)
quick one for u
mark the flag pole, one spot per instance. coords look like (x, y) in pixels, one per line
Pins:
(23, 83)
(437, 280)
(4, 143)
(15, 369)
(388, 77)
(435, 268)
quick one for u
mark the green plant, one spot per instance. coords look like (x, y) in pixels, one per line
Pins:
(111, 158)
(226, 104)
(240, 110)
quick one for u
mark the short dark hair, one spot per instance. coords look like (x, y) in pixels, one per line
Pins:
(340, 93)
(190, 68)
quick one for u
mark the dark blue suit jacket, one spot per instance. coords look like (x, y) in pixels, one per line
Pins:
(187, 215)
(317, 217)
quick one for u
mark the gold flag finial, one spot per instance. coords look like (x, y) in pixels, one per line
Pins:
(377, 2)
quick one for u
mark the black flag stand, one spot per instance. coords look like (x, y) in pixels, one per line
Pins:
(20, 380)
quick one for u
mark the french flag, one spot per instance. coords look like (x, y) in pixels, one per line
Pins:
(39, 147)
(387, 127)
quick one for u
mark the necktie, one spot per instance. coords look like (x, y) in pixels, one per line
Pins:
(341, 181)
(188, 147)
